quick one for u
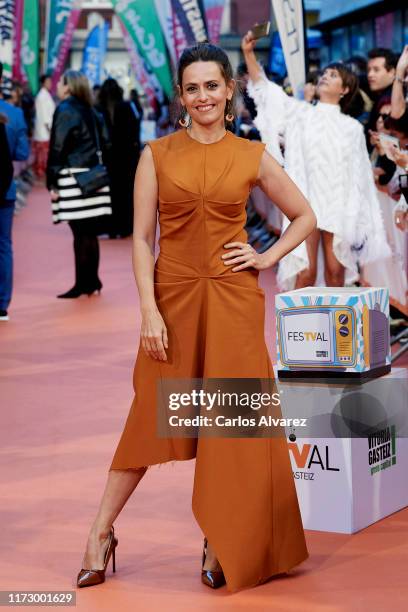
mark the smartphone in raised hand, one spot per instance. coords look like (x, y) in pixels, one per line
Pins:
(260, 30)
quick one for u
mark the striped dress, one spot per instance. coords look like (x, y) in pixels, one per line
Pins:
(72, 204)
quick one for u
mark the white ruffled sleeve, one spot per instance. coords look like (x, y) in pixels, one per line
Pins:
(367, 234)
(273, 108)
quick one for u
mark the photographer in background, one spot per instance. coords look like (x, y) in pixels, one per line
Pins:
(387, 141)
(383, 166)
(398, 186)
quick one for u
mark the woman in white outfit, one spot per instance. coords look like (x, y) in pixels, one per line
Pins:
(326, 156)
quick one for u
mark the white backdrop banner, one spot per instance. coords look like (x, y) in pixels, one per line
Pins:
(289, 17)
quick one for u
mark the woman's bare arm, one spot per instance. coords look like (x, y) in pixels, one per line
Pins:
(277, 185)
(144, 227)
(280, 188)
(145, 196)
(247, 46)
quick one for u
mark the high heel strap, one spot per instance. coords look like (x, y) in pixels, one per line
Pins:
(212, 578)
(204, 552)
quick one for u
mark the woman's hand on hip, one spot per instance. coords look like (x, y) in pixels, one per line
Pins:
(242, 256)
(153, 335)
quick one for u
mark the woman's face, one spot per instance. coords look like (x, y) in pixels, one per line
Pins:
(384, 110)
(62, 89)
(204, 92)
(331, 84)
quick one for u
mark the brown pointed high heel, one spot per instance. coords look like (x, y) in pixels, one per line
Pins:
(212, 578)
(90, 577)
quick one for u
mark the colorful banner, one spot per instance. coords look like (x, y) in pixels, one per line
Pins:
(213, 15)
(165, 16)
(141, 21)
(147, 81)
(289, 17)
(94, 53)
(180, 40)
(191, 15)
(6, 42)
(58, 14)
(31, 43)
(17, 37)
(276, 63)
(71, 23)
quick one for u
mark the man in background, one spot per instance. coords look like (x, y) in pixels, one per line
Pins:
(44, 111)
(16, 131)
(380, 75)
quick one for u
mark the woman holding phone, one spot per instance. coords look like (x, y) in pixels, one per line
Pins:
(203, 317)
(326, 156)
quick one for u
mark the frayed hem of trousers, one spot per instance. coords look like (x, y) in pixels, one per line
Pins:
(158, 464)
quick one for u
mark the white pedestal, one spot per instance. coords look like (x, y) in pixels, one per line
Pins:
(346, 484)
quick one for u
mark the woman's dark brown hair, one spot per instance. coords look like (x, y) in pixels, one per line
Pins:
(349, 80)
(207, 52)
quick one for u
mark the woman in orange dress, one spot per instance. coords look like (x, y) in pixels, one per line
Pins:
(203, 317)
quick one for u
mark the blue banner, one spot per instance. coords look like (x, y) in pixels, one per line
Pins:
(191, 15)
(276, 63)
(94, 53)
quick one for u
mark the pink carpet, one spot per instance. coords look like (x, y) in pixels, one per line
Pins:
(66, 388)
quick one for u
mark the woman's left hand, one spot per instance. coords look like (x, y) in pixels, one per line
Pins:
(244, 255)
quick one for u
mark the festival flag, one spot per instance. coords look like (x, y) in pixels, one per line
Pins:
(6, 42)
(62, 19)
(179, 37)
(165, 15)
(213, 13)
(94, 53)
(71, 23)
(289, 17)
(140, 19)
(18, 74)
(276, 63)
(30, 46)
(147, 80)
(191, 15)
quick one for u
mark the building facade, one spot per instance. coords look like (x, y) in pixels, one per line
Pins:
(353, 27)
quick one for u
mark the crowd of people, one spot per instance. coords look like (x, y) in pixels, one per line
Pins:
(345, 145)
(49, 138)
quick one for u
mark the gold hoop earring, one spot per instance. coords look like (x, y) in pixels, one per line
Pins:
(230, 115)
(185, 119)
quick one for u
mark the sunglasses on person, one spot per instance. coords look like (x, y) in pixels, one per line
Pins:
(383, 115)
